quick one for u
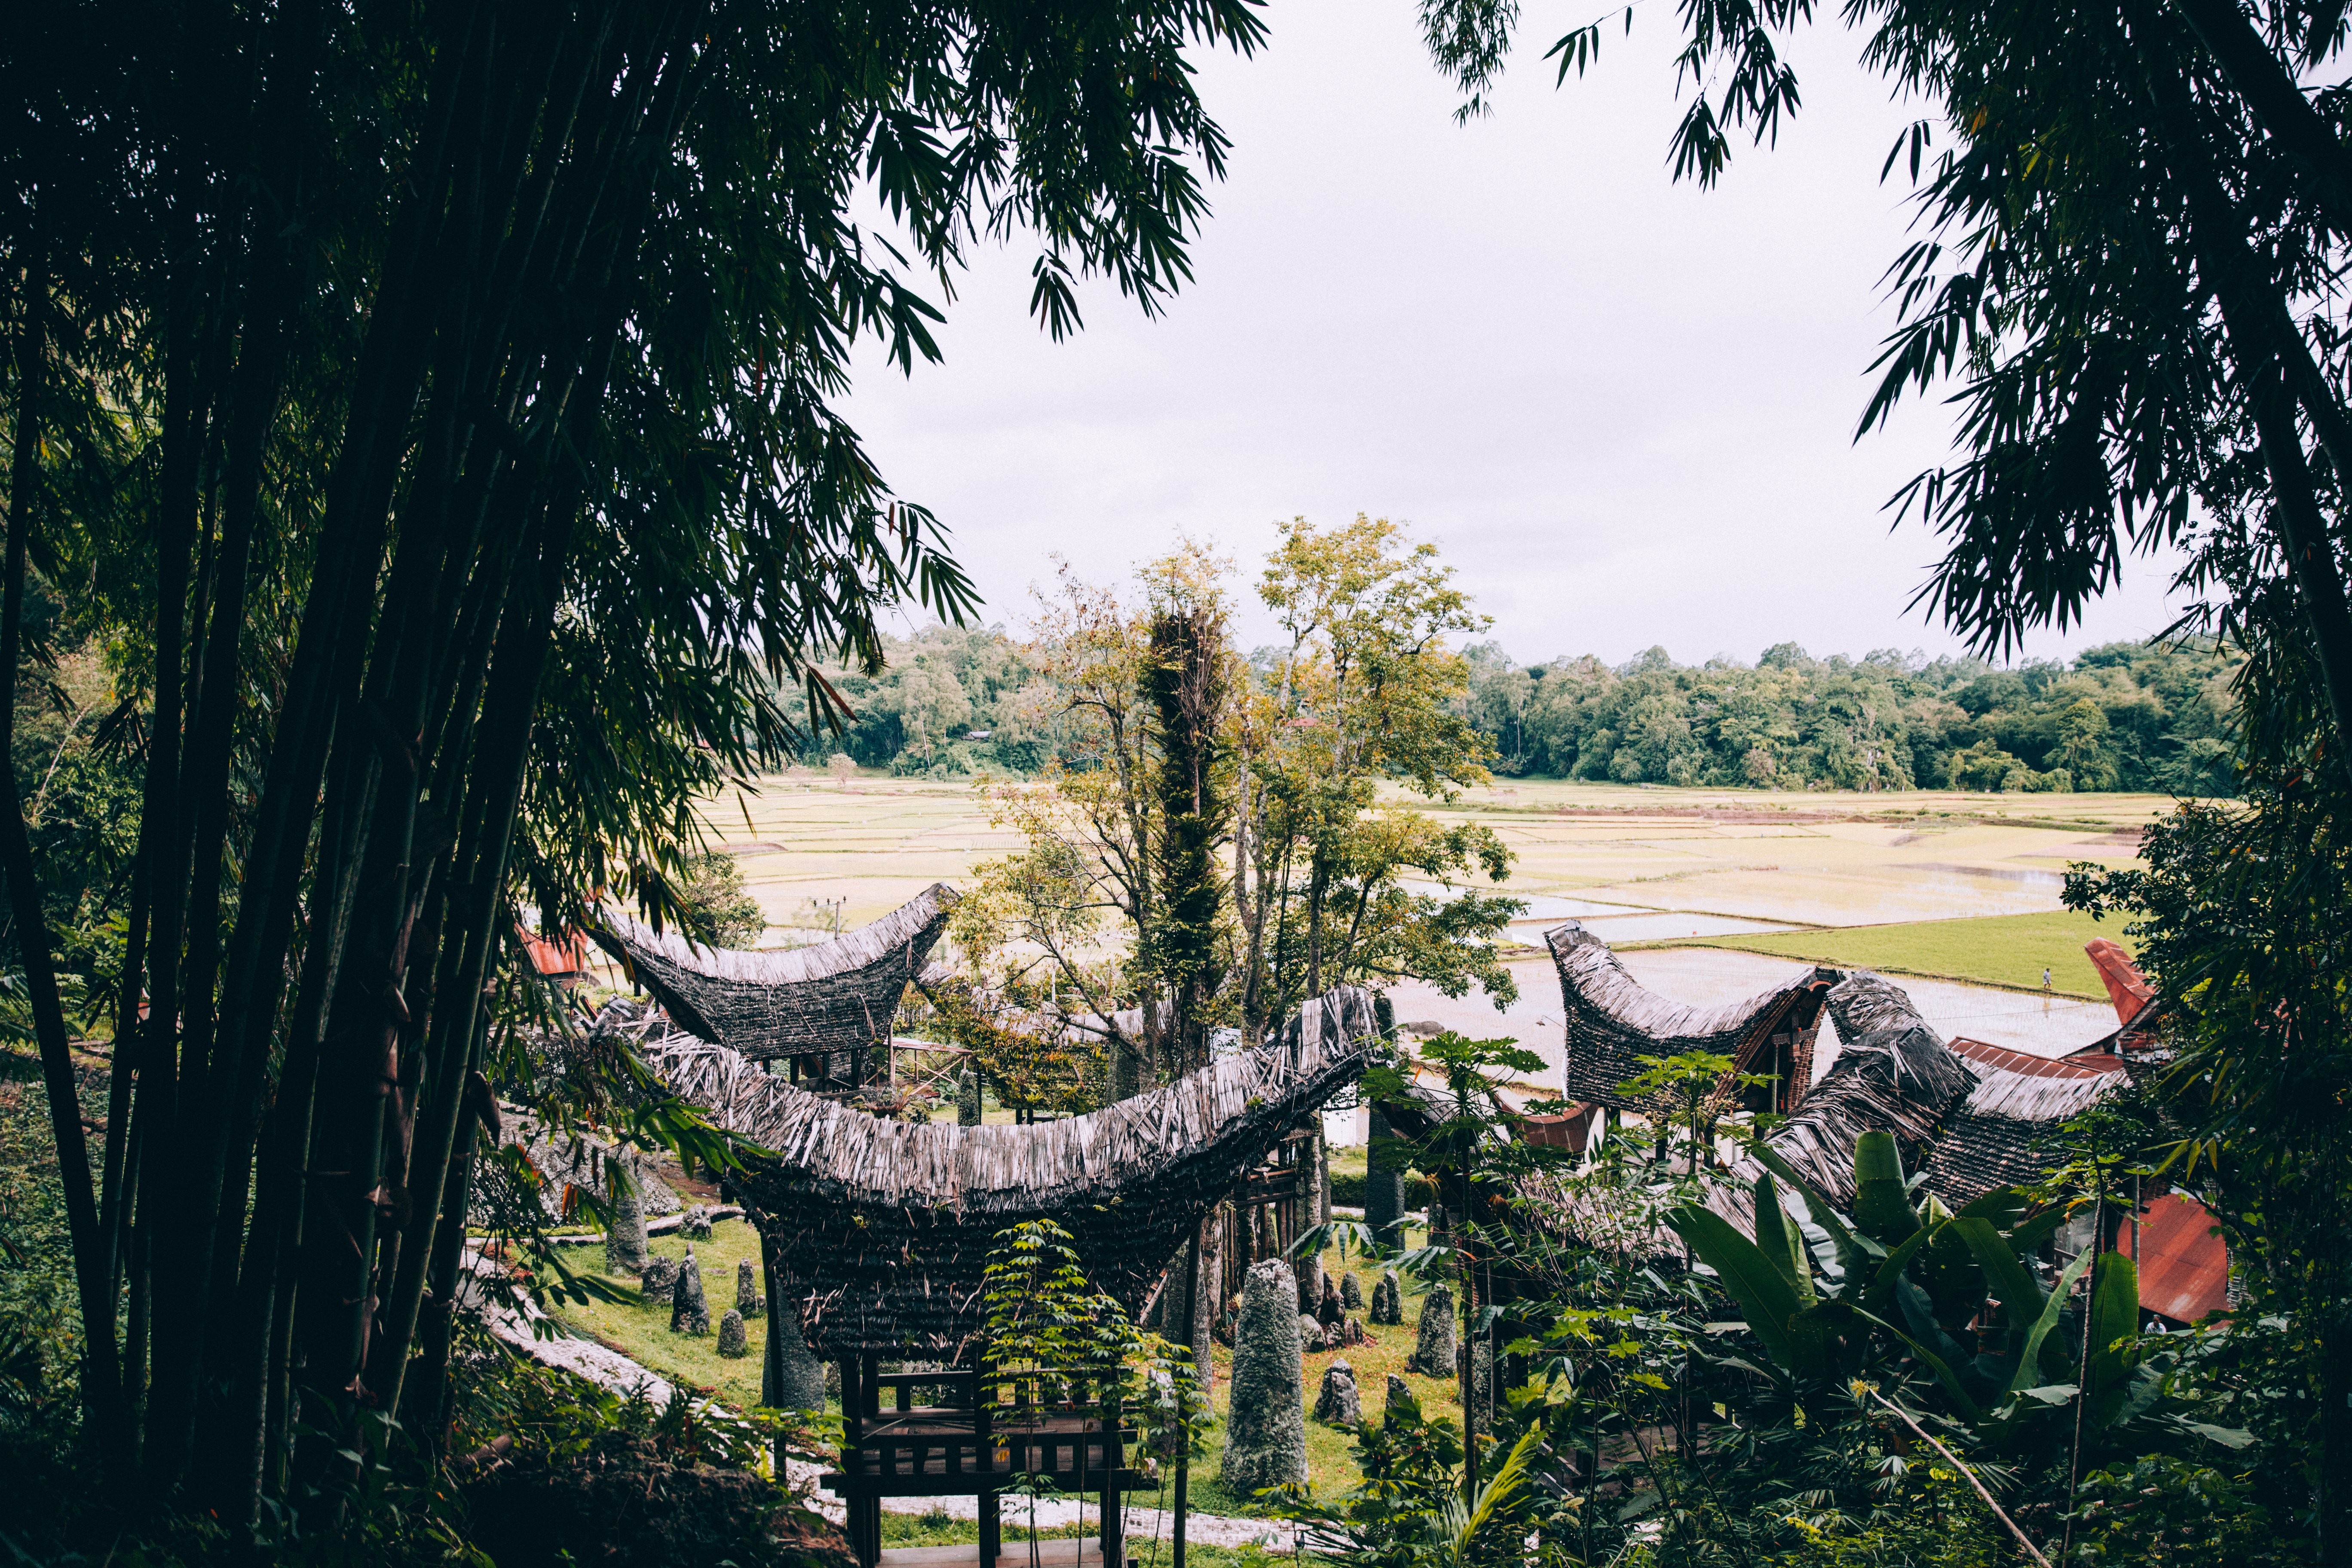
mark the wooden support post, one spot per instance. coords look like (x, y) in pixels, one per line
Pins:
(1184, 1439)
(991, 1521)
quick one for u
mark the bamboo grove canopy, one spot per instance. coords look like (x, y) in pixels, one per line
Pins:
(831, 996)
(884, 1227)
(1970, 1117)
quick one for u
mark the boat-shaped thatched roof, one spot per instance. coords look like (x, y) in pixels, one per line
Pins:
(1969, 1122)
(884, 1227)
(833, 996)
(1612, 1021)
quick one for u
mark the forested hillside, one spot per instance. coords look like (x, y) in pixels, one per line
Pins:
(2125, 716)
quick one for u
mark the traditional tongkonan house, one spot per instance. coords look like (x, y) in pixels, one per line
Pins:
(1970, 1115)
(876, 1234)
(817, 1007)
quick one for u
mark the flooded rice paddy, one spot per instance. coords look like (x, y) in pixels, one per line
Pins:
(1635, 863)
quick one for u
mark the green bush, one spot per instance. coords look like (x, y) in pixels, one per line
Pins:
(2162, 1510)
(1348, 1190)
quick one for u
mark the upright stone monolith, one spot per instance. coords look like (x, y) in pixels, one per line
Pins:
(625, 1225)
(793, 1379)
(1482, 1385)
(748, 1299)
(690, 1310)
(1266, 1426)
(1397, 1397)
(1387, 1299)
(1433, 1354)
(696, 1226)
(1338, 1403)
(659, 1279)
(968, 1108)
(1330, 1313)
(1310, 1335)
(733, 1343)
(1351, 1293)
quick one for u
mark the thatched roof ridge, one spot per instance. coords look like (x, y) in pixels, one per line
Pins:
(1613, 1020)
(832, 995)
(1997, 1137)
(885, 1227)
(1892, 1074)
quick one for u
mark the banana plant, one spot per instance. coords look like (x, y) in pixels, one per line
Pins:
(1827, 1294)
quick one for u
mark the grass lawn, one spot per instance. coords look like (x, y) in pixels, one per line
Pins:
(640, 1330)
(1995, 950)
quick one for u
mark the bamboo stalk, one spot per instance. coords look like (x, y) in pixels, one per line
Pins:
(1971, 1475)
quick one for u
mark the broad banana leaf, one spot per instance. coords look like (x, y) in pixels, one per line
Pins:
(2029, 1363)
(1880, 1298)
(1969, 1410)
(1763, 1292)
(2020, 1297)
(1856, 1255)
(1777, 1239)
(2115, 1322)
(1813, 1334)
(1880, 1206)
(1954, 1280)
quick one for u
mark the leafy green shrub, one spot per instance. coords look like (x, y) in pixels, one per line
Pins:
(562, 1471)
(2163, 1510)
(716, 909)
(1348, 1190)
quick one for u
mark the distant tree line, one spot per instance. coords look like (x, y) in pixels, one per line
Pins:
(2128, 716)
(2124, 716)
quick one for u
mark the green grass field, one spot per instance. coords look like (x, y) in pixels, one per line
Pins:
(1995, 950)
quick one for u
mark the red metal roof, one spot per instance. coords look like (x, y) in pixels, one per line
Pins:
(2127, 988)
(567, 955)
(2184, 1270)
(2083, 1064)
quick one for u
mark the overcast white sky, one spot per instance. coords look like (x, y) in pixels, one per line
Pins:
(1623, 407)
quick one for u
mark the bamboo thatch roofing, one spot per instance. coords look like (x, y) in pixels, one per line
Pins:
(1613, 1020)
(1892, 1074)
(1999, 1136)
(885, 1227)
(1970, 1125)
(834, 996)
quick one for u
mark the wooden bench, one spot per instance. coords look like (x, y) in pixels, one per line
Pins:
(979, 1438)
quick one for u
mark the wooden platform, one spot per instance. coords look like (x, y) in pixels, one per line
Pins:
(1085, 1551)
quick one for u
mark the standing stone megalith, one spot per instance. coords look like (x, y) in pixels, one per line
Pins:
(794, 1380)
(1482, 1385)
(1351, 1294)
(732, 1341)
(690, 1310)
(1265, 1424)
(748, 1299)
(625, 1225)
(1433, 1354)
(1338, 1403)
(659, 1279)
(967, 1105)
(1397, 1399)
(1387, 1299)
